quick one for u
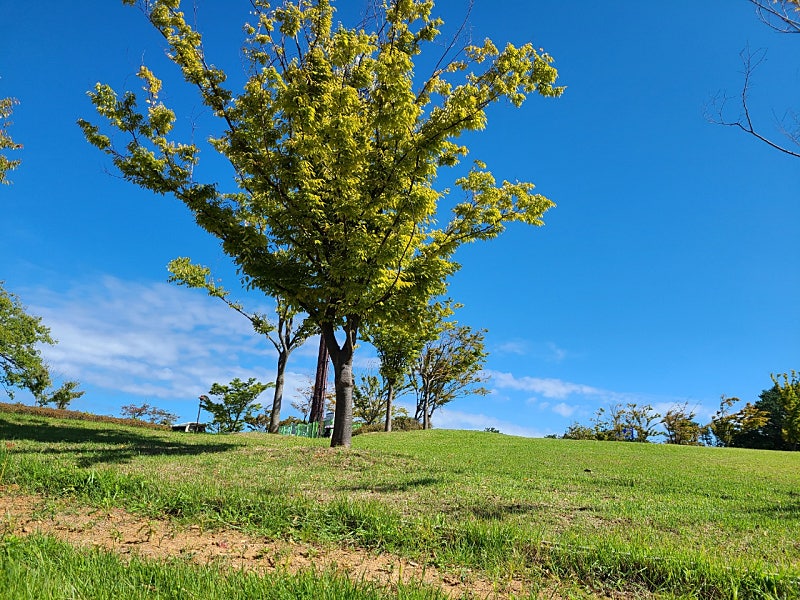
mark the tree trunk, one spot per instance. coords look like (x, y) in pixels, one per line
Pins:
(277, 399)
(426, 416)
(342, 358)
(317, 414)
(389, 399)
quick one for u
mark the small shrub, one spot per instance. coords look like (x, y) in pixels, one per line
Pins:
(400, 423)
(576, 431)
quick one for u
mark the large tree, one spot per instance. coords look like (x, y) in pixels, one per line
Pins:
(336, 141)
(285, 335)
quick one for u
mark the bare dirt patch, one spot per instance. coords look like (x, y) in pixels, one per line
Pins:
(128, 534)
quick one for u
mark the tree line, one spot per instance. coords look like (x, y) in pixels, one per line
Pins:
(770, 423)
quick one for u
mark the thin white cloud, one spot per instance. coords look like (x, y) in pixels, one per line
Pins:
(556, 354)
(150, 339)
(565, 410)
(548, 352)
(520, 347)
(446, 418)
(549, 388)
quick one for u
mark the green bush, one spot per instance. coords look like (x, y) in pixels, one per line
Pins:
(398, 424)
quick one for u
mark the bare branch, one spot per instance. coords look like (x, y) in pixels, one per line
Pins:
(751, 61)
(781, 15)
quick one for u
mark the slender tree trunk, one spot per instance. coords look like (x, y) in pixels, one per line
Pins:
(342, 358)
(277, 399)
(389, 400)
(317, 414)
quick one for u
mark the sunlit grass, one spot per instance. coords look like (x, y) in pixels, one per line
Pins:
(45, 569)
(706, 521)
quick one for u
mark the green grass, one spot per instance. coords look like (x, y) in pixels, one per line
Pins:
(682, 521)
(42, 567)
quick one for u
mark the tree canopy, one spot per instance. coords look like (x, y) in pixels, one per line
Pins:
(336, 144)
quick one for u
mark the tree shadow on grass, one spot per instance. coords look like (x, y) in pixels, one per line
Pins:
(110, 446)
(390, 487)
(784, 509)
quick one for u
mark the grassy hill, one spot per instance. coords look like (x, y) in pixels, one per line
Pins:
(533, 517)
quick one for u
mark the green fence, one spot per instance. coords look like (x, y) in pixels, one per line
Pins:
(309, 429)
(301, 429)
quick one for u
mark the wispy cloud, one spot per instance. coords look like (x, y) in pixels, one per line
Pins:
(565, 410)
(548, 351)
(446, 418)
(549, 388)
(150, 339)
(520, 347)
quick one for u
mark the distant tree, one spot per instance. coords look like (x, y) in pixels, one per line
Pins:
(788, 388)
(259, 422)
(236, 405)
(161, 416)
(769, 436)
(303, 403)
(643, 420)
(63, 396)
(680, 426)
(135, 411)
(492, 430)
(728, 426)
(447, 368)
(151, 414)
(626, 422)
(303, 406)
(20, 336)
(576, 431)
(284, 336)
(400, 342)
(6, 143)
(291, 421)
(21, 363)
(335, 142)
(369, 403)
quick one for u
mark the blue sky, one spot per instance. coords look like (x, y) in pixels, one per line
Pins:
(667, 273)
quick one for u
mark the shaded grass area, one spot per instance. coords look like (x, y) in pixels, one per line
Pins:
(44, 568)
(709, 522)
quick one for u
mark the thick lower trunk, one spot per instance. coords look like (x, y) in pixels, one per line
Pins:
(389, 400)
(426, 415)
(277, 399)
(342, 359)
